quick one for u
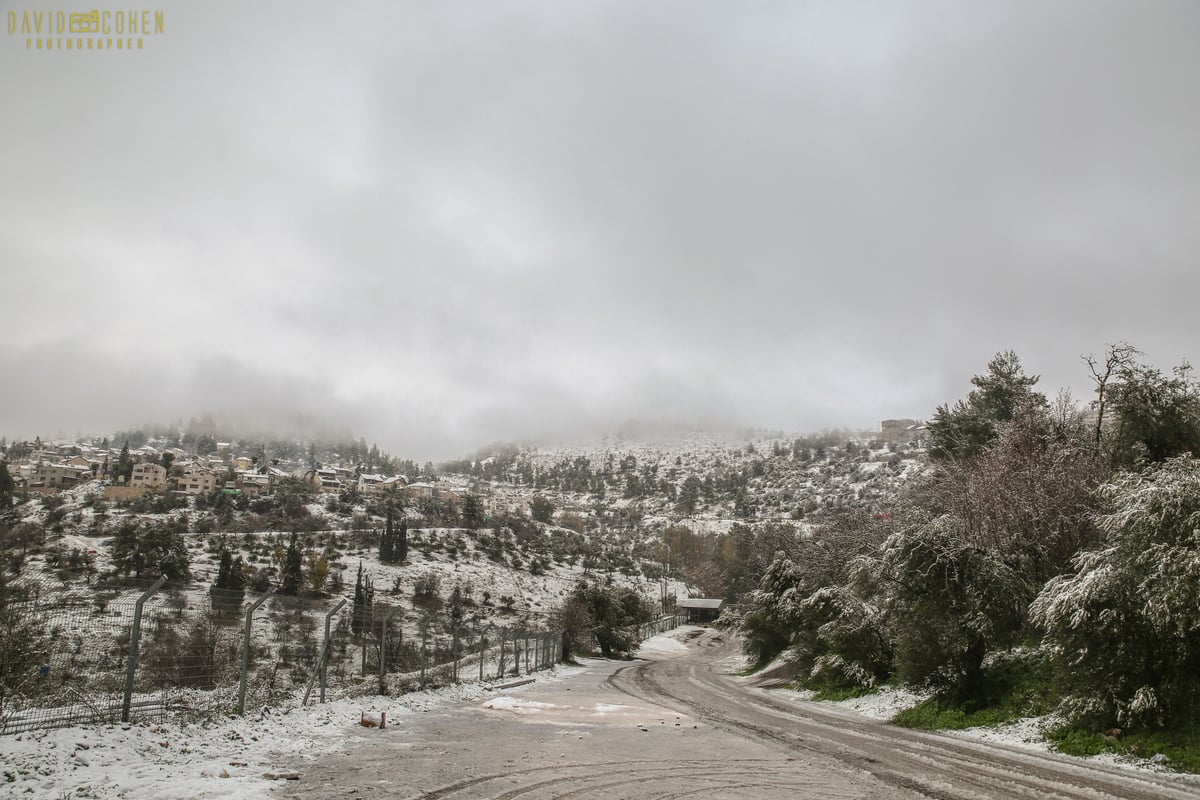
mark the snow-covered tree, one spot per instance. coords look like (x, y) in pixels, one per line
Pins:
(1156, 416)
(982, 537)
(1126, 625)
(962, 431)
(950, 601)
(148, 551)
(842, 639)
(770, 618)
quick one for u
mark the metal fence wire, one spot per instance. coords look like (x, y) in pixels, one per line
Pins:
(137, 650)
(64, 656)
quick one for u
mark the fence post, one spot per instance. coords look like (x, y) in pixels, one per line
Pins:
(325, 646)
(454, 652)
(424, 653)
(383, 649)
(246, 650)
(135, 637)
(500, 665)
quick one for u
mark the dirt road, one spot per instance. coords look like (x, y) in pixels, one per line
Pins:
(677, 726)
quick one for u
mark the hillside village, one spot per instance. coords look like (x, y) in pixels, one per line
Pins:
(161, 466)
(531, 510)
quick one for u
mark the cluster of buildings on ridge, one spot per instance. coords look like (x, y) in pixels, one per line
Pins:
(53, 467)
(906, 431)
(62, 465)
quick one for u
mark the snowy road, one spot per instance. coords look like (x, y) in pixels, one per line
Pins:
(677, 726)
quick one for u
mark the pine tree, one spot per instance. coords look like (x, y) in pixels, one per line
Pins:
(223, 570)
(400, 545)
(689, 496)
(237, 577)
(293, 567)
(743, 506)
(229, 589)
(149, 551)
(964, 430)
(458, 608)
(472, 513)
(125, 463)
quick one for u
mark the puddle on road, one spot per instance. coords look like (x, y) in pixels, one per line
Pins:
(518, 705)
(592, 711)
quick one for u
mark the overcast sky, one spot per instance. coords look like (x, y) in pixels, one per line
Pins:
(446, 223)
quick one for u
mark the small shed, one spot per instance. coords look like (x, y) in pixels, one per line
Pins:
(700, 610)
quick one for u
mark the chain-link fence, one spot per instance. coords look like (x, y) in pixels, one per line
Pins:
(64, 656)
(137, 650)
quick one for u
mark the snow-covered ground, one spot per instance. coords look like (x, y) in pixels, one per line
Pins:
(1023, 734)
(242, 758)
(232, 758)
(663, 644)
(884, 704)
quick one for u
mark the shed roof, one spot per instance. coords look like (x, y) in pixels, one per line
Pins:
(699, 602)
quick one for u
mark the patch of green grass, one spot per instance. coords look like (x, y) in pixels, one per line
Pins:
(843, 692)
(1014, 687)
(934, 714)
(1076, 742)
(1180, 746)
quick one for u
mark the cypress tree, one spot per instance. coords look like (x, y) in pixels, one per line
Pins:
(385, 546)
(387, 542)
(400, 545)
(7, 487)
(360, 612)
(125, 463)
(224, 569)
